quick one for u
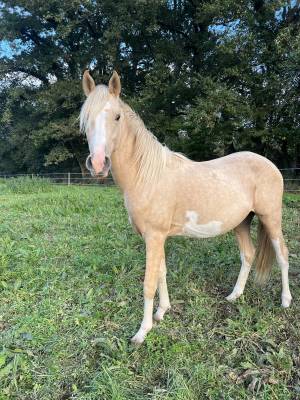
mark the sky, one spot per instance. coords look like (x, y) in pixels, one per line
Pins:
(7, 50)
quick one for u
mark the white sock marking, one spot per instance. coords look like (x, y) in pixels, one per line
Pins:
(146, 324)
(286, 296)
(241, 281)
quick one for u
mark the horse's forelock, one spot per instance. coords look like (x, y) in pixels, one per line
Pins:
(93, 106)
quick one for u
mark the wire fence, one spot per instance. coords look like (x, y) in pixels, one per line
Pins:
(66, 178)
(291, 178)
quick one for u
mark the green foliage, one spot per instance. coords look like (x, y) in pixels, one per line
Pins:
(71, 297)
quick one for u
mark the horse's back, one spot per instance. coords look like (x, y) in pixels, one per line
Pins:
(240, 163)
(254, 175)
(245, 171)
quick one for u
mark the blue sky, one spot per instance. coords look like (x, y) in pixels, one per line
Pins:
(5, 49)
(8, 49)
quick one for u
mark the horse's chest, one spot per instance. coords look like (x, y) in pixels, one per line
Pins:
(131, 215)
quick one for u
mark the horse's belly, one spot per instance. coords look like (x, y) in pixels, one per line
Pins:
(194, 228)
(191, 223)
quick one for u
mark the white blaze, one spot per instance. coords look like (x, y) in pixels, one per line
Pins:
(97, 139)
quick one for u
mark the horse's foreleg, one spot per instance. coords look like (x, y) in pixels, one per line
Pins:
(154, 255)
(247, 252)
(164, 301)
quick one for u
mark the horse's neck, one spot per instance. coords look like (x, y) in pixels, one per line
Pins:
(123, 169)
(139, 160)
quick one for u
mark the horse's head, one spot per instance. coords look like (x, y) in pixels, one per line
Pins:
(100, 118)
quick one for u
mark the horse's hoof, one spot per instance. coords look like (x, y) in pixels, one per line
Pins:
(137, 341)
(139, 337)
(286, 302)
(159, 315)
(233, 296)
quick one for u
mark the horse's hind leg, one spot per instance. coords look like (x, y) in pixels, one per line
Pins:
(273, 228)
(247, 252)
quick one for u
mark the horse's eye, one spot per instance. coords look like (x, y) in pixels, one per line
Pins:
(118, 117)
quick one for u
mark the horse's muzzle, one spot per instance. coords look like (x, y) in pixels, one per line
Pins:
(105, 169)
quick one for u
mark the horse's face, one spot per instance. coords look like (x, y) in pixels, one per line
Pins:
(103, 127)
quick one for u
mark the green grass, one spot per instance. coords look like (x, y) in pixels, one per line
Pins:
(71, 272)
(25, 185)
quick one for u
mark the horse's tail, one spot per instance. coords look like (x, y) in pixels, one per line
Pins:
(265, 255)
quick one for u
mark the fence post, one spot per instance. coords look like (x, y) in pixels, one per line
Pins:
(31, 176)
(69, 178)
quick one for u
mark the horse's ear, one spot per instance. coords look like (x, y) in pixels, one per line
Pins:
(88, 83)
(114, 85)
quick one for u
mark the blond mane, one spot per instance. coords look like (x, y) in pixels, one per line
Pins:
(150, 157)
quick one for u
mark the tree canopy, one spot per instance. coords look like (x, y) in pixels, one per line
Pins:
(208, 78)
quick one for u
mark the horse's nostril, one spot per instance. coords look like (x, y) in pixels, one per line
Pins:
(88, 163)
(107, 163)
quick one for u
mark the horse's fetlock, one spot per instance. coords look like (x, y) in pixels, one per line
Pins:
(149, 292)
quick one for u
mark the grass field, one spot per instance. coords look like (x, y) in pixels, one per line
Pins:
(71, 272)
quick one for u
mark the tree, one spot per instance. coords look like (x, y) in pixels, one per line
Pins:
(207, 77)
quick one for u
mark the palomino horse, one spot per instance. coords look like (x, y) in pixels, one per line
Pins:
(167, 194)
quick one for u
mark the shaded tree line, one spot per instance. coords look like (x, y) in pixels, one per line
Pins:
(208, 78)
